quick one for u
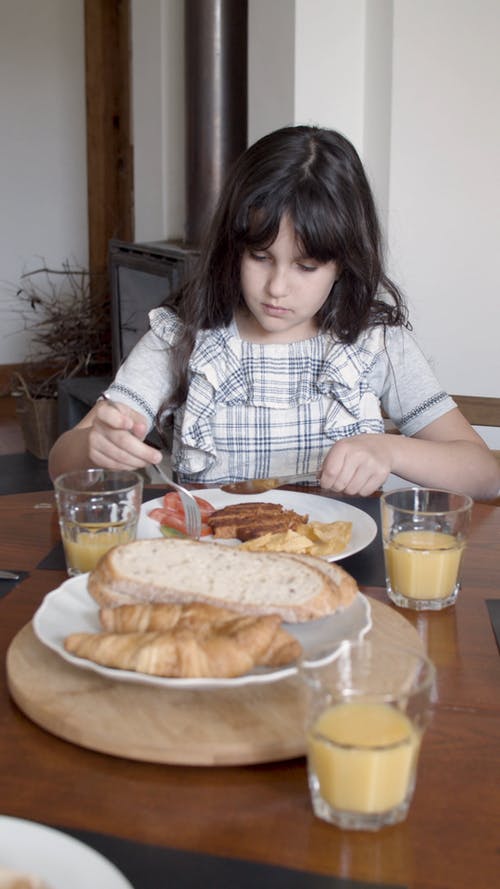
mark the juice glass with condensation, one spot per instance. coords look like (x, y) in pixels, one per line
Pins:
(98, 509)
(367, 706)
(424, 534)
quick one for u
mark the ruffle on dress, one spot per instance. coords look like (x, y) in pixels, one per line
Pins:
(227, 370)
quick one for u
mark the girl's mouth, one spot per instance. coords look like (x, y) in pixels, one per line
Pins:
(274, 311)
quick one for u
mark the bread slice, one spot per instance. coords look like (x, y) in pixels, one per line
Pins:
(174, 570)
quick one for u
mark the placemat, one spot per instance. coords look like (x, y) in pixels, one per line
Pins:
(367, 566)
(493, 606)
(23, 473)
(7, 585)
(154, 867)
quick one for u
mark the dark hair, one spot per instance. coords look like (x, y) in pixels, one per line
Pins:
(316, 177)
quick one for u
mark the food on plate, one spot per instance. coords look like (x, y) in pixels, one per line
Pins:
(15, 879)
(313, 538)
(170, 570)
(162, 616)
(336, 575)
(247, 520)
(195, 616)
(171, 518)
(212, 650)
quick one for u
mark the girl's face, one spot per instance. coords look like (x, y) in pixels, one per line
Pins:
(283, 290)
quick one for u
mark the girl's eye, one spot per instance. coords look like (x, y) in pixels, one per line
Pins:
(307, 268)
(259, 257)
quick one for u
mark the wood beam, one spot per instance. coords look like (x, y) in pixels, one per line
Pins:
(109, 151)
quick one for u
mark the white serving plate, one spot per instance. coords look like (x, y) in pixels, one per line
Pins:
(318, 508)
(70, 609)
(58, 859)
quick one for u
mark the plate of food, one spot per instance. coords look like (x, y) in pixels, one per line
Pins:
(40, 857)
(276, 521)
(185, 614)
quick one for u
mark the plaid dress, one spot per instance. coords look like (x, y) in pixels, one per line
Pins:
(257, 410)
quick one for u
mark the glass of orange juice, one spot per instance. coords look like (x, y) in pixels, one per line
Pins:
(424, 533)
(367, 707)
(98, 509)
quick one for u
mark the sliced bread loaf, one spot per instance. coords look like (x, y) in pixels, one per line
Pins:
(294, 587)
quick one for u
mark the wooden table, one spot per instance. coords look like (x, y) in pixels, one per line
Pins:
(262, 813)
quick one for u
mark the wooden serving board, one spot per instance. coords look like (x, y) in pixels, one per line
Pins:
(216, 727)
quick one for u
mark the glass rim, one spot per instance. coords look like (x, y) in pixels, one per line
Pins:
(426, 681)
(61, 482)
(468, 501)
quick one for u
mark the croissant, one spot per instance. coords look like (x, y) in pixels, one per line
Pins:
(196, 616)
(163, 616)
(223, 651)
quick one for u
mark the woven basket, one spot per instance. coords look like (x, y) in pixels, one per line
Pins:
(38, 420)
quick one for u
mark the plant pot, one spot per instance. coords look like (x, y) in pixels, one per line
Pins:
(38, 420)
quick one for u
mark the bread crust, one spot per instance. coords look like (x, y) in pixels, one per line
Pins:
(333, 588)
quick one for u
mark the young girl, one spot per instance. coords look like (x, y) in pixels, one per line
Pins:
(280, 355)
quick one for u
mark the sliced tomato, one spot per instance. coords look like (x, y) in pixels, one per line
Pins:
(172, 501)
(160, 515)
(172, 521)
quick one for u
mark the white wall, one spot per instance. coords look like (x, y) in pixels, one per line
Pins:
(271, 64)
(445, 184)
(158, 118)
(43, 185)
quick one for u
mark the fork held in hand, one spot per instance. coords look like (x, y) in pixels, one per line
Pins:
(191, 509)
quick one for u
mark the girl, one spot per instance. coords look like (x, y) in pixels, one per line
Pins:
(280, 355)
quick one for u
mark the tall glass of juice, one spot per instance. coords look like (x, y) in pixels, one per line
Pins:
(367, 707)
(98, 509)
(424, 534)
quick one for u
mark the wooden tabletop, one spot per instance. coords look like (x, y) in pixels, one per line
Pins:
(262, 813)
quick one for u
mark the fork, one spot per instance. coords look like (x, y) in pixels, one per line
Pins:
(192, 513)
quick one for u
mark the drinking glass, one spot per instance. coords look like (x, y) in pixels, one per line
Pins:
(424, 534)
(367, 707)
(98, 509)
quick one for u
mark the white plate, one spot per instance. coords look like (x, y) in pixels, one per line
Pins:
(70, 609)
(58, 859)
(319, 509)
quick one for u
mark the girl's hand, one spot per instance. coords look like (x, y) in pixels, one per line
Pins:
(115, 437)
(357, 465)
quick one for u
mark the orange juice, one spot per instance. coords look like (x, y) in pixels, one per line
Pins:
(84, 544)
(364, 756)
(423, 564)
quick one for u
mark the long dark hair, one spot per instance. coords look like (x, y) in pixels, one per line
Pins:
(316, 177)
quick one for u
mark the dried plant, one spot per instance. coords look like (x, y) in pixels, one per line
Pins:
(67, 312)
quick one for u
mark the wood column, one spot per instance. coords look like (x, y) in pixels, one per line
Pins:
(109, 150)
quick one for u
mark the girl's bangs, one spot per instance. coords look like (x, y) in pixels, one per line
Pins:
(313, 222)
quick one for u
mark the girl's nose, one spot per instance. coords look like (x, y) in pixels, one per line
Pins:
(277, 282)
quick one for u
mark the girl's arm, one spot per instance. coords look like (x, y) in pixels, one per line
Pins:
(447, 453)
(109, 436)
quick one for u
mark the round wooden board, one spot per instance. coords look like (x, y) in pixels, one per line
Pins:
(219, 727)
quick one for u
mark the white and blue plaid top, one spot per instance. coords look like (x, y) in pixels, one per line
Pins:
(257, 410)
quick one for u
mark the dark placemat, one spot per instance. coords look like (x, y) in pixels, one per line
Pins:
(155, 867)
(23, 473)
(367, 566)
(493, 606)
(7, 585)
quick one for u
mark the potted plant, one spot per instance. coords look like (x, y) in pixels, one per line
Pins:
(67, 312)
